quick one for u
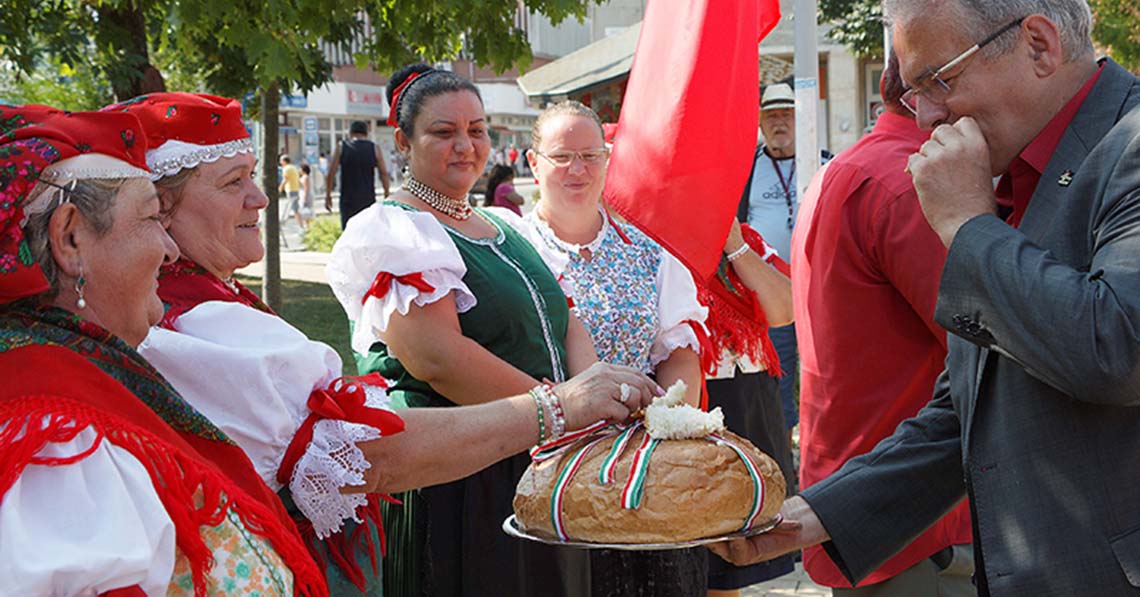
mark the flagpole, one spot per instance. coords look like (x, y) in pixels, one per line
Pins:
(807, 93)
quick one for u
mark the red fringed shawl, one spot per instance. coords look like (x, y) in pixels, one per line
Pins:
(736, 321)
(52, 391)
(184, 285)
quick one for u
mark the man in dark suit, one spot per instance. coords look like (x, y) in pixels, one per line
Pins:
(1037, 417)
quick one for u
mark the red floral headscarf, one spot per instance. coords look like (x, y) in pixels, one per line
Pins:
(183, 130)
(33, 138)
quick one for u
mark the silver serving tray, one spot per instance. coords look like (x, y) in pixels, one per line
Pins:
(511, 527)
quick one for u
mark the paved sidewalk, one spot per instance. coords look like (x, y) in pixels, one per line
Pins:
(305, 266)
(796, 583)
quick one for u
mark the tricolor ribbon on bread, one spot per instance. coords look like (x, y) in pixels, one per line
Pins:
(757, 479)
(633, 492)
(635, 484)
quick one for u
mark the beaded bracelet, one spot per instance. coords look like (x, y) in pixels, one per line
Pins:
(541, 422)
(554, 405)
(737, 254)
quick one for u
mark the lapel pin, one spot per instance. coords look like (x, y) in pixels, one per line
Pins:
(1066, 178)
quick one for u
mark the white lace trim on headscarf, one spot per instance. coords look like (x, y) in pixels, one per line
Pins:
(64, 173)
(172, 157)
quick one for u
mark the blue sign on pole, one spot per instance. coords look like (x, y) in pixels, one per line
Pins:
(293, 101)
(310, 124)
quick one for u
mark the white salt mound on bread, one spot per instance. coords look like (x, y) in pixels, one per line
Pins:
(668, 417)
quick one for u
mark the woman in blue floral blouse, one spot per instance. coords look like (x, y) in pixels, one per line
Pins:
(638, 302)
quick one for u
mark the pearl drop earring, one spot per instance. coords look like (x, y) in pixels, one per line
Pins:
(80, 283)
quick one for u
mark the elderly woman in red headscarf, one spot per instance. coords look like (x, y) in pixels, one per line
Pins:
(109, 482)
(326, 443)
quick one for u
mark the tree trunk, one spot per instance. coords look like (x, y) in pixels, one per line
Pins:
(271, 283)
(123, 29)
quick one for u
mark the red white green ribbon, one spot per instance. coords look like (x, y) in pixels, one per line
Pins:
(634, 489)
(609, 465)
(562, 483)
(555, 447)
(635, 485)
(757, 480)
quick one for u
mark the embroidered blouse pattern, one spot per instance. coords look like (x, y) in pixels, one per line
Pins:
(615, 292)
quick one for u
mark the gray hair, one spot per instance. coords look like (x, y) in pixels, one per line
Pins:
(94, 198)
(980, 18)
(171, 190)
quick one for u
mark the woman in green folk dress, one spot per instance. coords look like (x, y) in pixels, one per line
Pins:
(456, 307)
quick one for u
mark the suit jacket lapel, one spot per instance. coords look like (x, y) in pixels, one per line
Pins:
(1096, 116)
(1099, 113)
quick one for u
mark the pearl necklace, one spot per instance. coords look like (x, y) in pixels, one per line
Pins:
(458, 209)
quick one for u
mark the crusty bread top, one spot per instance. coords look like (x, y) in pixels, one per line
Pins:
(694, 488)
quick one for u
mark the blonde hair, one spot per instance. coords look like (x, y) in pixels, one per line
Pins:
(563, 108)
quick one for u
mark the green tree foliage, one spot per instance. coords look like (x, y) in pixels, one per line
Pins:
(236, 47)
(1116, 26)
(33, 29)
(856, 24)
(56, 83)
(233, 48)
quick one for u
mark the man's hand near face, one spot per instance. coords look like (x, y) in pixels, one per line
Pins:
(951, 174)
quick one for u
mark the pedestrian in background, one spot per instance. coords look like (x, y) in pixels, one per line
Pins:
(500, 190)
(357, 160)
(769, 205)
(291, 185)
(306, 196)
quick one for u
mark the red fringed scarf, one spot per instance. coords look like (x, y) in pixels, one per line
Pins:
(736, 321)
(42, 407)
(184, 285)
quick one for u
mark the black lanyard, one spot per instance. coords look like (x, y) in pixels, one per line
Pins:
(786, 185)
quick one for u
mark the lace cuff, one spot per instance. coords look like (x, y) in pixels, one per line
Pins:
(331, 461)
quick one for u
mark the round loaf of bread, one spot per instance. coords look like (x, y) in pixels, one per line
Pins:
(694, 488)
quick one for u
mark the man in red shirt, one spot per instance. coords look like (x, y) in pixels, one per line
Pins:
(865, 270)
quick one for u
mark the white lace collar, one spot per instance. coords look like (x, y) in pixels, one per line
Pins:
(573, 248)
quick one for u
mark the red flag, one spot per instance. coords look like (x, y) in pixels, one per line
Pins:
(687, 131)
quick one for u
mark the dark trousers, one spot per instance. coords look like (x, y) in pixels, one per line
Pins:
(784, 339)
(350, 206)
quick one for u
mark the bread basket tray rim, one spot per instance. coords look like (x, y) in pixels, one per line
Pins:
(512, 528)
